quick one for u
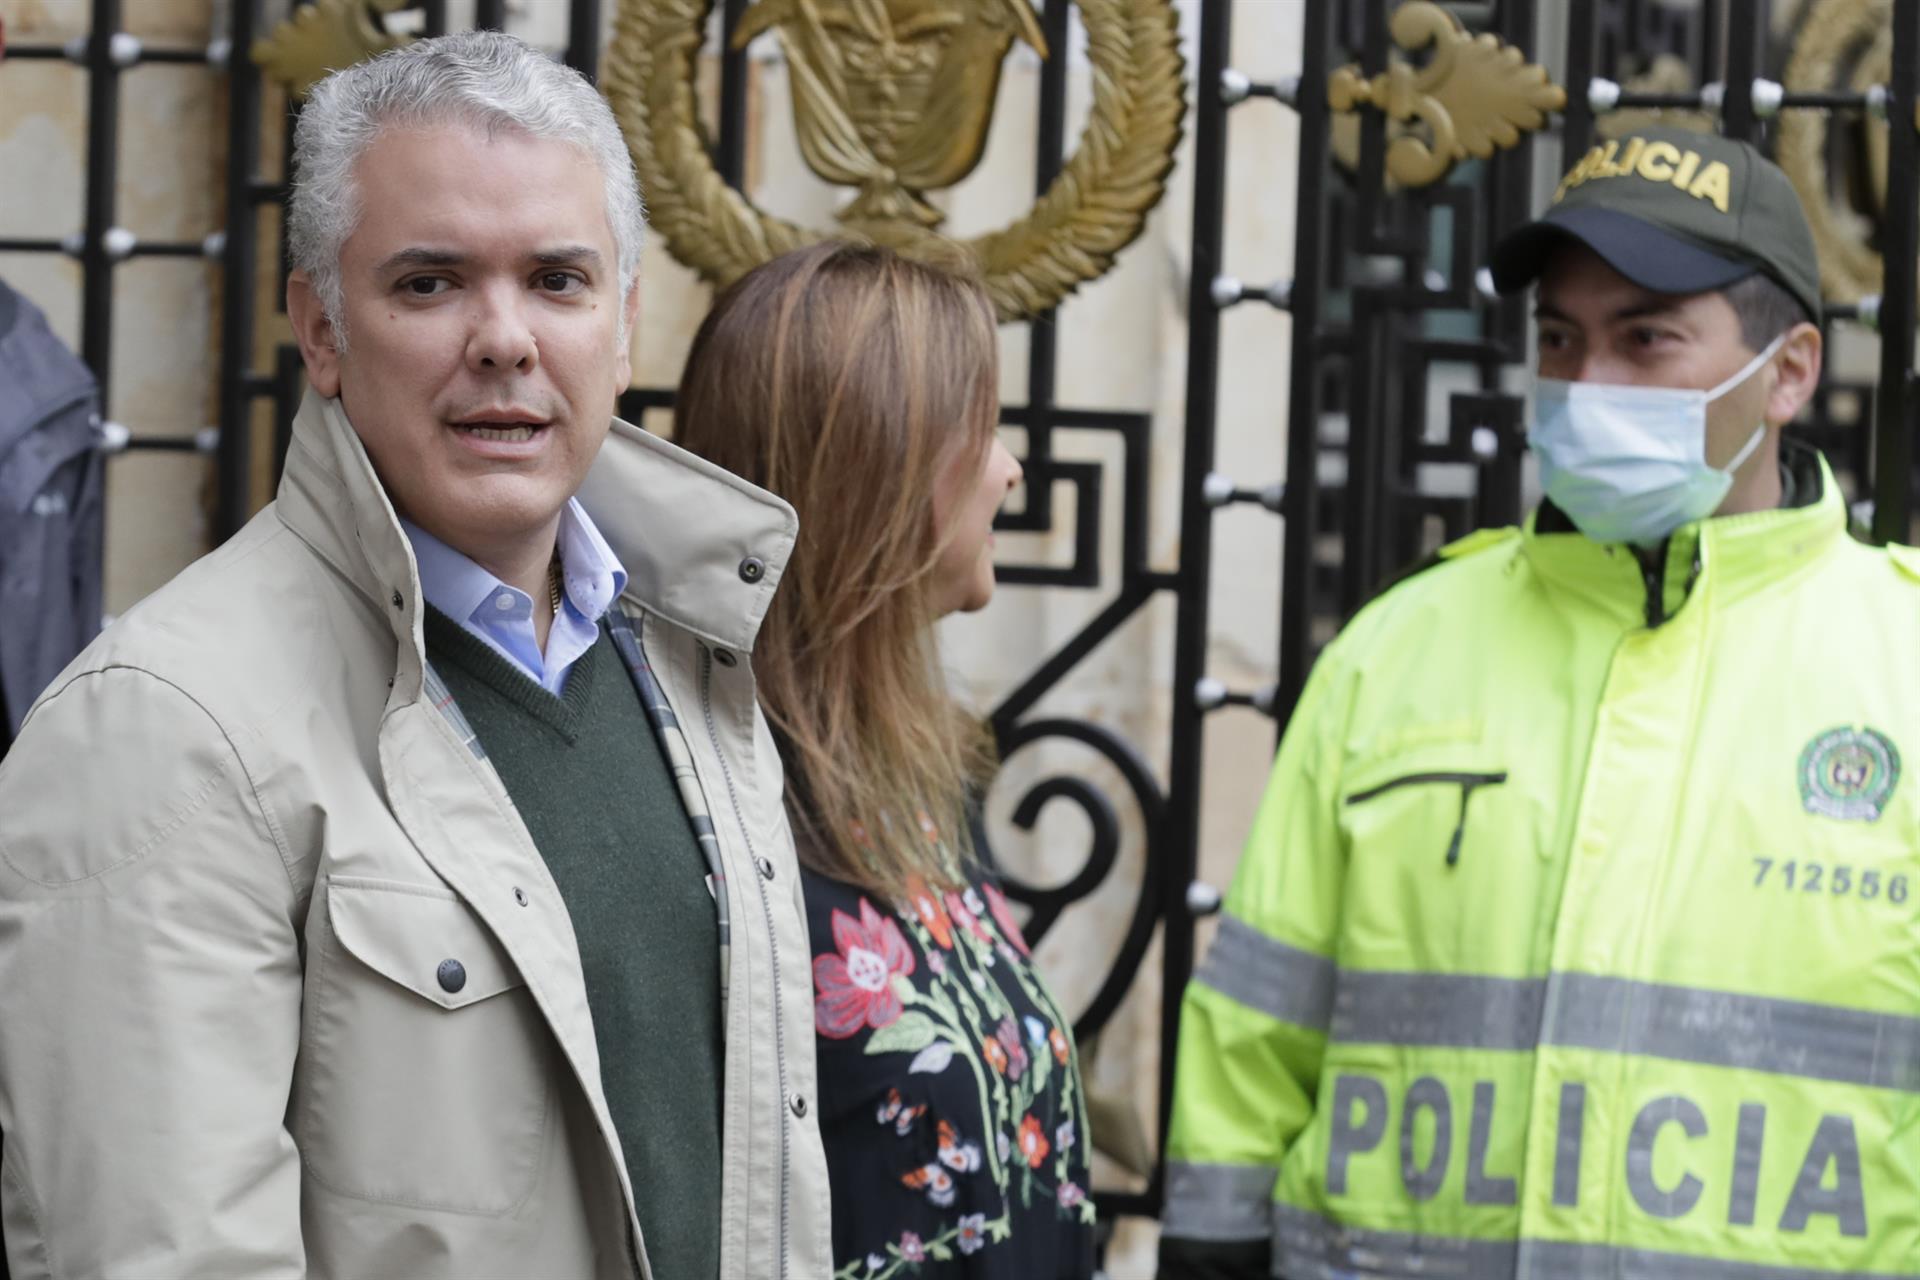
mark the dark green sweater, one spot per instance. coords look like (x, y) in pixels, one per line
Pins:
(586, 773)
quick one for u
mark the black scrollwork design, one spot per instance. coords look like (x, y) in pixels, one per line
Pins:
(1048, 903)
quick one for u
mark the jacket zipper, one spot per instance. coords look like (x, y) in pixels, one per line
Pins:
(773, 942)
(1468, 784)
(1653, 572)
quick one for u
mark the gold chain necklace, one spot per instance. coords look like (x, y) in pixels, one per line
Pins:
(553, 585)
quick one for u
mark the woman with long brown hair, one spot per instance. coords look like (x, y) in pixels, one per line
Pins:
(863, 388)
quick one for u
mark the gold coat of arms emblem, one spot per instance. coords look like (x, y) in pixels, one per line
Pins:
(892, 98)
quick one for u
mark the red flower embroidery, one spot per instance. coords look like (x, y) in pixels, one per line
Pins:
(856, 986)
(1002, 916)
(995, 1054)
(957, 909)
(1059, 1043)
(1033, 1142)
(926, 904)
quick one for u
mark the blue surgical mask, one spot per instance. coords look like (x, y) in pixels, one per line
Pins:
(1629, 464)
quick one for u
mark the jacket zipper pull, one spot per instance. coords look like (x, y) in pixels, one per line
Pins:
(1467, 787)
(1460, 827)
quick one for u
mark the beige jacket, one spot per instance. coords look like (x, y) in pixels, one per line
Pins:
(235, 844)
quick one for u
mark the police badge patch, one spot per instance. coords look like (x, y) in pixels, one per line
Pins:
(1849, 774)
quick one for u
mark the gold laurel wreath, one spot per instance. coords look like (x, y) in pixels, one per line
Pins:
(1095, 207)
(1836, 36)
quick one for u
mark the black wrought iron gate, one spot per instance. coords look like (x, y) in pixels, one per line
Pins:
(1387, 294)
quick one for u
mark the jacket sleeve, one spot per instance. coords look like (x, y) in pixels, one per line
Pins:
(49, 558)
(150, 984)
(1253, 1023)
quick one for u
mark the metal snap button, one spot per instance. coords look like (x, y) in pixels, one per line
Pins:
(520, 895)
(452, 975)
(752, 569)
(766, 868)
(397, 602)
(724, 657)
(799, 1105)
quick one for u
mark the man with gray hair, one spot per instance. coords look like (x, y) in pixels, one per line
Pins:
(405, 888)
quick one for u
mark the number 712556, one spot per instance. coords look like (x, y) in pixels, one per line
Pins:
(1836, 879)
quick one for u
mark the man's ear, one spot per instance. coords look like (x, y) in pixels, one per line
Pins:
(629, 314)
(1798, 374)
(314, 332)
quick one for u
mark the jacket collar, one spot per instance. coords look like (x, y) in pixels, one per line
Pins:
(683, 528)
(1730, 556)
(704, 549)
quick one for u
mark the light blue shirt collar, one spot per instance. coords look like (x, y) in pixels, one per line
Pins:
(501, 616)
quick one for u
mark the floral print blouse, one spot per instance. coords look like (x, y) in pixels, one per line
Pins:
(951, 1106)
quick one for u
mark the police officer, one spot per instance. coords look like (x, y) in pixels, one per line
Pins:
(1579, 931)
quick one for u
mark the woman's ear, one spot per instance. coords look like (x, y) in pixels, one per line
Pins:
(314, 332)
(1798, 373)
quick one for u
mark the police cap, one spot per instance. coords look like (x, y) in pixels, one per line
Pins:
(1673, 211)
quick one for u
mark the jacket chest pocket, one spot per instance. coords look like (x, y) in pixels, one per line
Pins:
(1466, 782)
(423, 1064)
(1440, 852)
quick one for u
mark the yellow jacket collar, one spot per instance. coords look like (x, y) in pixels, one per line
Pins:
(1726, 556)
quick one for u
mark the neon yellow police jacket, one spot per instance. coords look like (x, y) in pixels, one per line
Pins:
(1579, 932)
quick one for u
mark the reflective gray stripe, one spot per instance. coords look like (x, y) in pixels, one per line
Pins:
(1617, 1015)
(1451, 1009)
(1308, 1246)
(1262, 973)
(1719, 1028)
(1553, 1260)
(1218, 1201)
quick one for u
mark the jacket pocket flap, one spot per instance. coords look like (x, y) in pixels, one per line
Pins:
(424, 938)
